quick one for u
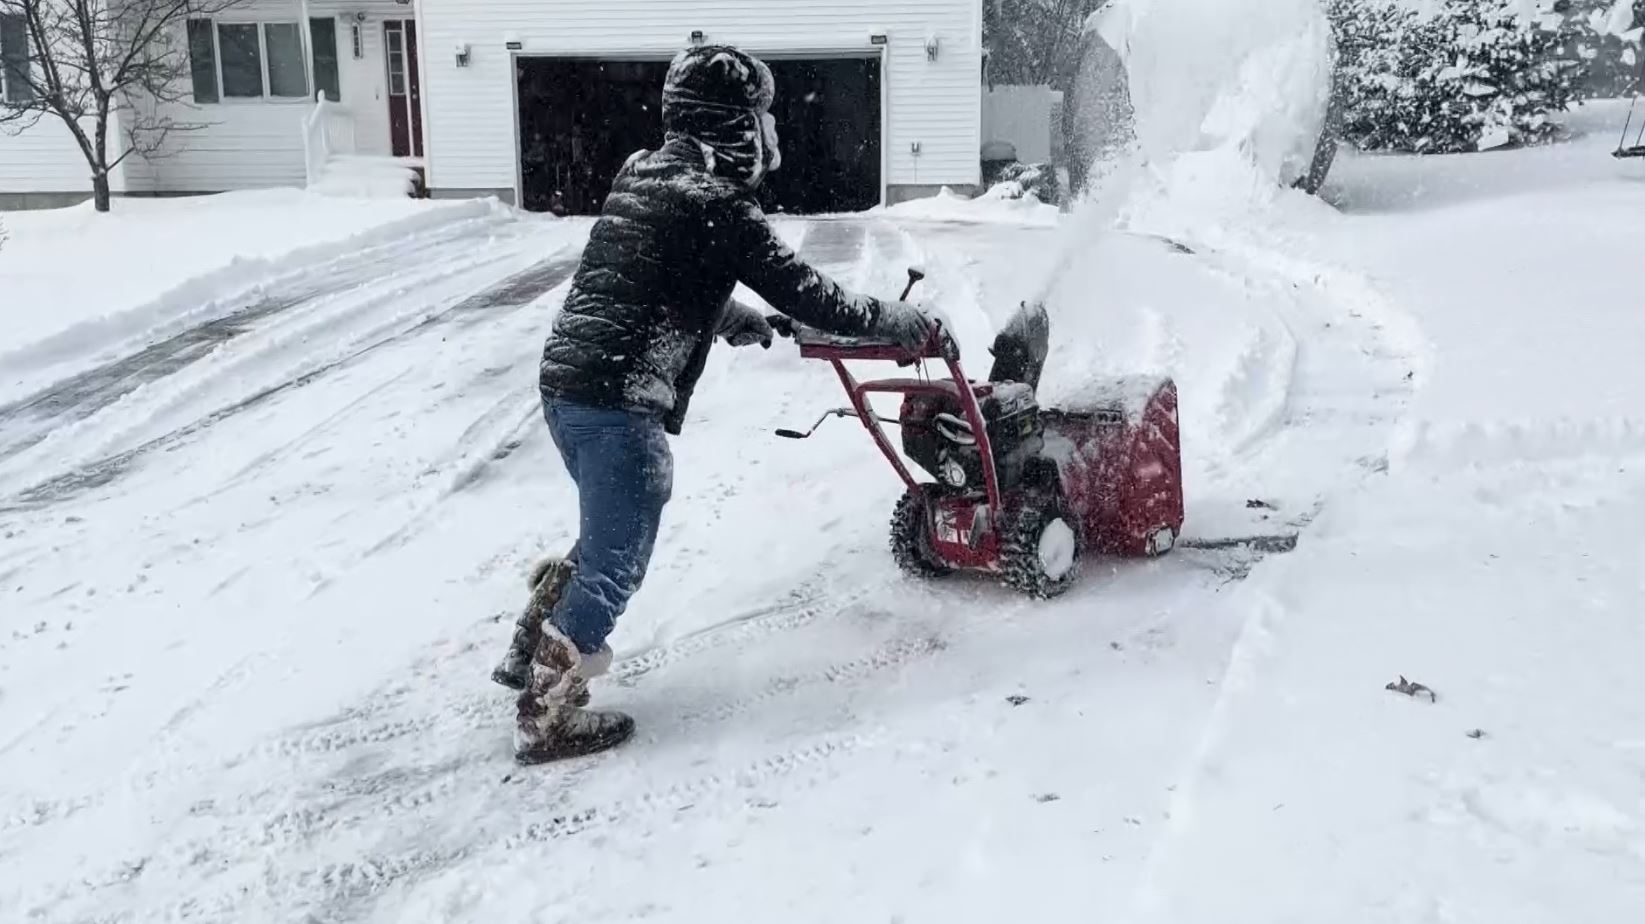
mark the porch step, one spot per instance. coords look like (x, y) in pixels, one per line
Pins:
(367, 177)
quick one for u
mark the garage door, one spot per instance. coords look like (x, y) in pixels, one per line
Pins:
(581, 118)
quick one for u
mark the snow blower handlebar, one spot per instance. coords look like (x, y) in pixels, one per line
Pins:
(940, 345)
(815, 344)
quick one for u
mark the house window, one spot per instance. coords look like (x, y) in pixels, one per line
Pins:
(14, 60)
(240, 51)
(248, 60)
(396, 35)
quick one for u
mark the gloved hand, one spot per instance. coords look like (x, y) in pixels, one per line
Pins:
(908, 326)
(743, 326)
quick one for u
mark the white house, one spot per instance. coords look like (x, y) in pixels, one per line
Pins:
(539, 101)
(256, 72)
(879, 100)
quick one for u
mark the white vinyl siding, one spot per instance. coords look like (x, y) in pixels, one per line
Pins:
(934, 104)
(44, 157)
(258, 142)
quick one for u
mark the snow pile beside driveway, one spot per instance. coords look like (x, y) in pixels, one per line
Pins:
(992, 207)
(1491, 556)
(76, 282)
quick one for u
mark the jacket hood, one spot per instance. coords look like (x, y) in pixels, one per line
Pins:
(720, 97)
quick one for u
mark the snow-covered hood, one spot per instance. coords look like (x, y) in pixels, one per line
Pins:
(720, 98)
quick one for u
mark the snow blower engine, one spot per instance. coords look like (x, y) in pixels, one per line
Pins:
(1020, 492)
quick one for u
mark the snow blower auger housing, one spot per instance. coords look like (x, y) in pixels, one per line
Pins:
(1017, 492)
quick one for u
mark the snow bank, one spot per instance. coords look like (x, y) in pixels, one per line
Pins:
(1513, 797)
(1248, 75)
(1001, 205)
(76, 282)
(1494, 561)
(365, 178)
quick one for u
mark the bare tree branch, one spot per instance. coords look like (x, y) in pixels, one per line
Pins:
(89, 60)
(1035, 41)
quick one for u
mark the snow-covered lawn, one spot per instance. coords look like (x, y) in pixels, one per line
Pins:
(1497, 561)
(255, 582)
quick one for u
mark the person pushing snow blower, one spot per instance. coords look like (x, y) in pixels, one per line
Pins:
(679, 230)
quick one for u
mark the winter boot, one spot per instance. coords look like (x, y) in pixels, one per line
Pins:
(548, 581)
(551, 724)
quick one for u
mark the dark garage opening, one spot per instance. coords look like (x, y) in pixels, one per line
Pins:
(580, 119)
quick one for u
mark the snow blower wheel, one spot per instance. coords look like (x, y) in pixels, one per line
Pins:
(1040, 550)
(910, 537)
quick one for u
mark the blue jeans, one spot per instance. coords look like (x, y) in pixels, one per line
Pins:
(624, 475)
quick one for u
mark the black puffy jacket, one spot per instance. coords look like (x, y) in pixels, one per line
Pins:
(656, 278)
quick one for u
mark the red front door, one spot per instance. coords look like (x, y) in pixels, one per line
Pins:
(405, 91)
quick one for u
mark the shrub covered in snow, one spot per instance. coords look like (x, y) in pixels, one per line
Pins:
(1016, 180)
(1607, 39)
(1474, 75)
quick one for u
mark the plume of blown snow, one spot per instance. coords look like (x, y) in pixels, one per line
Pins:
(1252, 76)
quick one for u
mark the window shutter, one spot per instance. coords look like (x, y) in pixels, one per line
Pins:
(14, 58)
(202, 60)
(323, 39)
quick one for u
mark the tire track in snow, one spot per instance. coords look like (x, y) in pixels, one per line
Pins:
(338, 890)
(376, 723)
(88, 392)
(419, 795)
(343, 804)
(520, 289)
(343, 889)
(347, 321)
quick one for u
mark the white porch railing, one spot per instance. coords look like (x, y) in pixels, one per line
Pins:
(328, 132)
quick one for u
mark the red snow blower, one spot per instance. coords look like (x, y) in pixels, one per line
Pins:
(1020, 491)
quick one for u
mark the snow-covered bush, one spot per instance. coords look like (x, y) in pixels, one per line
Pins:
(1607, 39)
(1475, 75)
(1017, 180)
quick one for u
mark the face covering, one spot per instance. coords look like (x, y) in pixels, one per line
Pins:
(768, 139)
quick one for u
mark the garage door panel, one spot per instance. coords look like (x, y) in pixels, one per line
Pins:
(828, 118)
(580, 119)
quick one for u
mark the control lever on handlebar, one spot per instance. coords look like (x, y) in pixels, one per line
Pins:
(837, 412)
(915, 274)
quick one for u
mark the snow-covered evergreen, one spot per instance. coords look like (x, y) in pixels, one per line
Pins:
(1472, 76)
(1607, 36)
(1477, 74)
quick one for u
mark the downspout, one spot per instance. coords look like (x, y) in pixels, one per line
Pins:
(305, 32)
(422, 101)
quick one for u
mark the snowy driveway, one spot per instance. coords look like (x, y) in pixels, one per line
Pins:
(266, 566)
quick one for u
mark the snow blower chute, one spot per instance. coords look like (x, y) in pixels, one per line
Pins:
(1017, 491)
